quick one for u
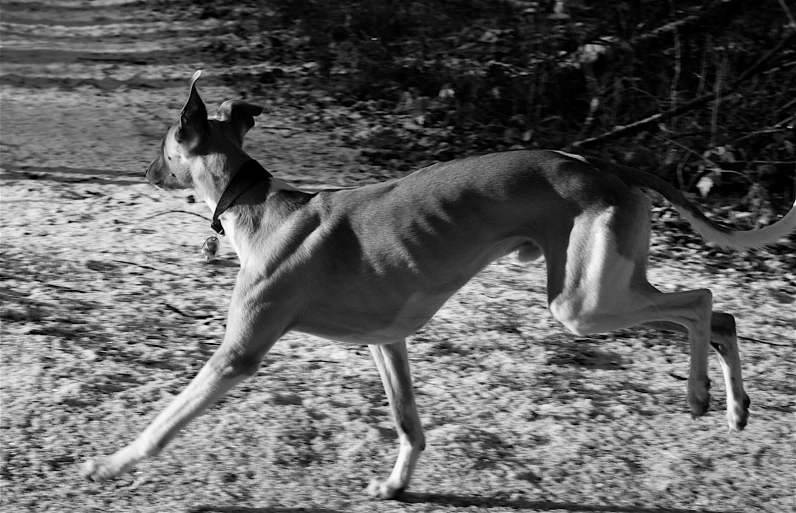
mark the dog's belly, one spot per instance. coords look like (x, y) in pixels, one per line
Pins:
(369, 309)
(380, 324)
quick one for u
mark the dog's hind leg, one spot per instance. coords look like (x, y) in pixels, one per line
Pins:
(600, 285)
(723, 340)
(393, 363)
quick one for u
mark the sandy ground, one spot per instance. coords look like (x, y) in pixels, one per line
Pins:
(107, 313)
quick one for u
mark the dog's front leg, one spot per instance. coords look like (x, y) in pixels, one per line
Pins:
(393, 363)
(249, 337)
(212, 382)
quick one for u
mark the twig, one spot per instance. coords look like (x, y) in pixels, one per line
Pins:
(644, 124)
(717, 87)
(786, 106)
(677, 70)
(788, 14)
(594, 104)
(271, 127)
(172, 212)
(714, 167)
(687, 150)
(703, 73)
(293, 131)
(720, 12)
(750, 339)
(146, 267)
(175, 309)
(759, 64)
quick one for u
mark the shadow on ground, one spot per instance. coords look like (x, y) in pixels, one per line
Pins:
(465, 501)
(524, 504)
(238, 509)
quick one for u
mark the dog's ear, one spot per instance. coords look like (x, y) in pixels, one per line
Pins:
(193, 118)
(240, 116)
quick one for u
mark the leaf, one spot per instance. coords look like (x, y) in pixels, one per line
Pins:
(704, 185)
(489, 36)
(446, 92)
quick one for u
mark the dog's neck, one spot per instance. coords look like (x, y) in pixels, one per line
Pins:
(248, 175)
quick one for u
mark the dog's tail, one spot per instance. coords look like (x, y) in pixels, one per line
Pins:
(710, 231)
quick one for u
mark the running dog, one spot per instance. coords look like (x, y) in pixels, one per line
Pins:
(371, 265)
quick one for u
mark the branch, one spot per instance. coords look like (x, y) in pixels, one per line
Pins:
(718, 15)
(646, 123)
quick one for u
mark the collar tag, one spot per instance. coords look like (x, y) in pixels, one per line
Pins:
(216, 226)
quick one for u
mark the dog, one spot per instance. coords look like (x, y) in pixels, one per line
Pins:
(371, 265)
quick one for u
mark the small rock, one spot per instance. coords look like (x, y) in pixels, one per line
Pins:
(68, 394)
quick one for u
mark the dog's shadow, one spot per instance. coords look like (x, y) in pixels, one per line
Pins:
(469, 501)
(465, 501)
(241, 509)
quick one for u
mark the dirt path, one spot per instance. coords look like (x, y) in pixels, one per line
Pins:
(106, 315)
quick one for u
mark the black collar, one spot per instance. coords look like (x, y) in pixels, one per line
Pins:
(249, 174)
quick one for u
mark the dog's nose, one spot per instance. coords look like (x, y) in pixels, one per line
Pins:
(148, 172)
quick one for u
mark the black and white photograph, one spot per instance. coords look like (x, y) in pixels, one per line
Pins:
(380, 256)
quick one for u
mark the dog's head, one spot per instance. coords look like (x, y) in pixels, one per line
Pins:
(199, 152)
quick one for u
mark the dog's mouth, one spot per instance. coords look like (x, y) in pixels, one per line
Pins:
(160, 176)
(149, 173)
(166, 185)
(155, 182)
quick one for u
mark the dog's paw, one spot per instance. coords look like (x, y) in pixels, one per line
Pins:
(102, 469)
(738, 414)
(699, 398)
(382, 489)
